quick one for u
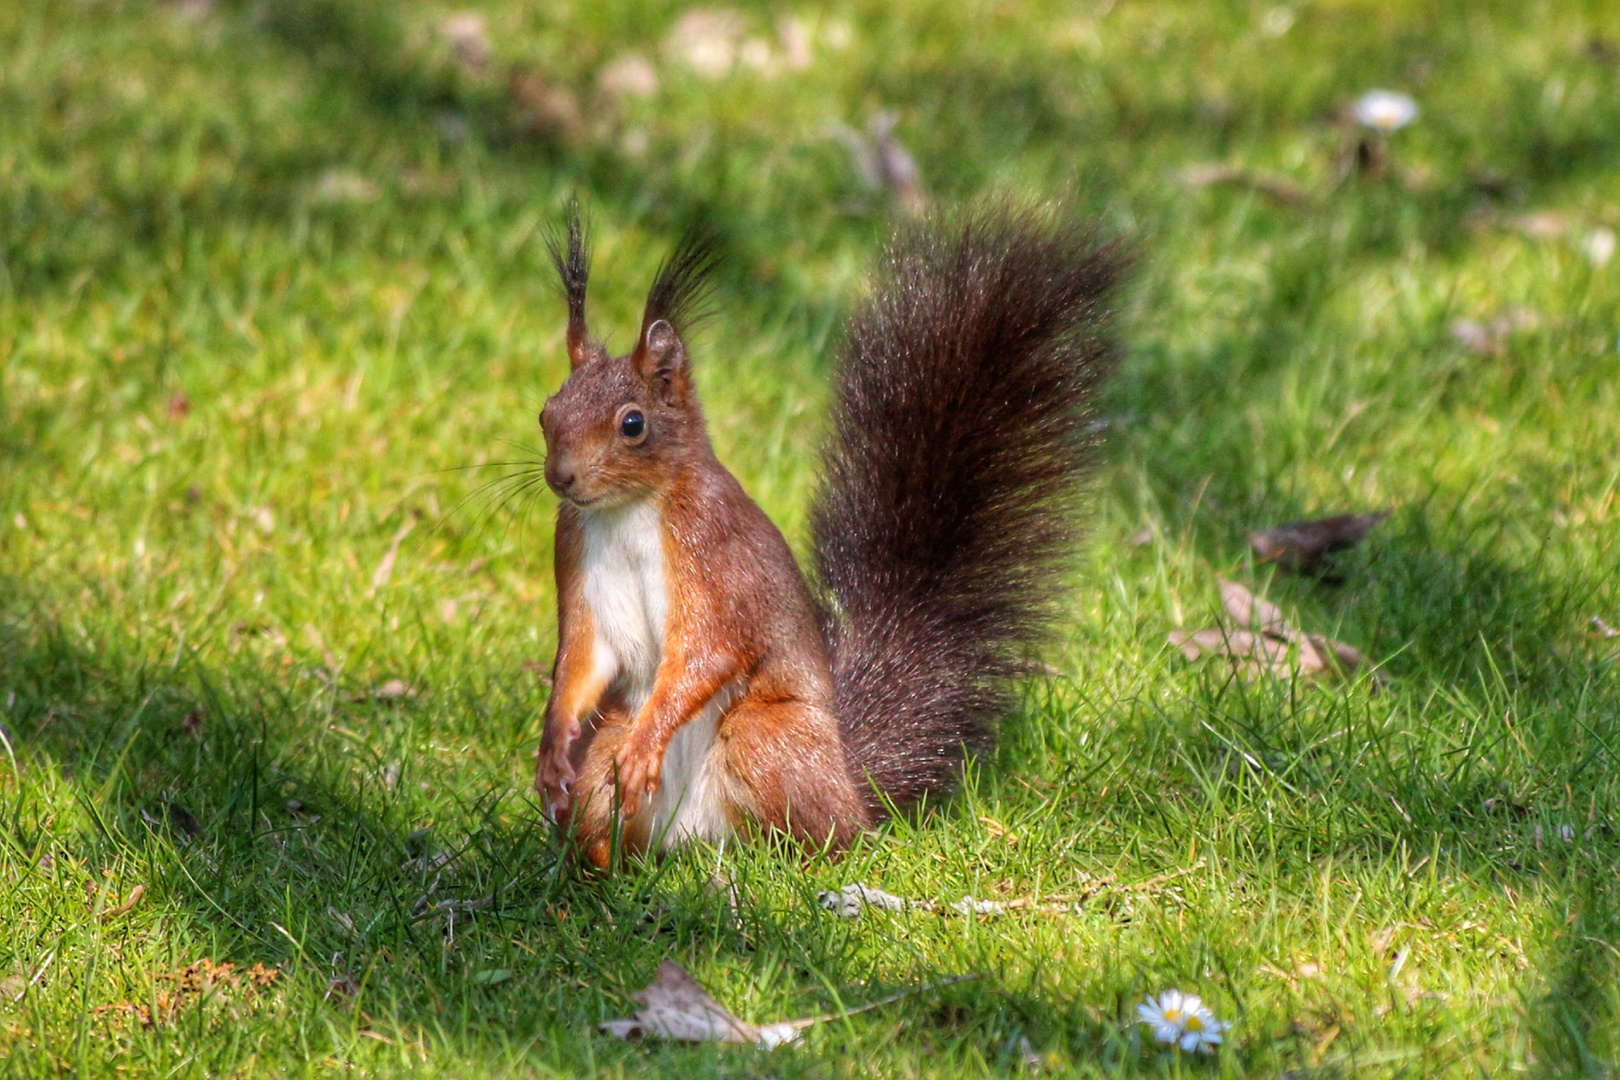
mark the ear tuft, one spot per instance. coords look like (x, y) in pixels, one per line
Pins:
(571, 255)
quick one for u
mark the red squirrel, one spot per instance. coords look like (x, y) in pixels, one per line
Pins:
(702, 688)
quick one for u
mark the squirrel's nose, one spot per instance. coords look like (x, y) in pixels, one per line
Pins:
(560, 476)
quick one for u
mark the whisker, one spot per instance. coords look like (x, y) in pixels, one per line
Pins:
(513, 482)
(528, 496)
(486, 465)
(523, 514)
(527, 448)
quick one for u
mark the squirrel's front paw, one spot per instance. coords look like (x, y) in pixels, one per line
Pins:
(554, 777)
(635, 769)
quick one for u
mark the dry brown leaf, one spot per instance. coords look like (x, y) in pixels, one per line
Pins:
(201, 980)
(1305, 546)
(179, 407)
(1220, 641)
(1247, 609)
(1268, 644)
(261, 976)
(678, 1009)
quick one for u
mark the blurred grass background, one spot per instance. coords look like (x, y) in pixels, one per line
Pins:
(271, 277)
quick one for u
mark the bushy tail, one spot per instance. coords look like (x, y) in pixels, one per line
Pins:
(949, 501)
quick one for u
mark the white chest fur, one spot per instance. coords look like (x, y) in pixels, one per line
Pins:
(624, 588)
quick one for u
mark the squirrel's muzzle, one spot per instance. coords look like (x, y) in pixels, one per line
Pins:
(560, 475)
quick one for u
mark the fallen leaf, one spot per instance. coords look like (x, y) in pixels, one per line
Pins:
(1304, 546)
(676, 1008)
(179, 407)
(1249, 610)
(1218, 641)
(1266, 643)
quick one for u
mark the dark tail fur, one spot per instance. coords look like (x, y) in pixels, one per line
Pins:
(949, 504)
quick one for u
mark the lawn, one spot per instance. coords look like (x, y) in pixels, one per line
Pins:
(275, 604)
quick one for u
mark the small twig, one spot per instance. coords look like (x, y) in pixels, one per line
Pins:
(1168, 875)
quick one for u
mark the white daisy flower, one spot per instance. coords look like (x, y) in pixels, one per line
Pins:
(1182, 1020)
(1384, 110)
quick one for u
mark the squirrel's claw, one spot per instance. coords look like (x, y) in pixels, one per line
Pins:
(554, 780)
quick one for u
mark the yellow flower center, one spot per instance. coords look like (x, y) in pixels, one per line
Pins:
(1172, 1016)
(1194, 1024)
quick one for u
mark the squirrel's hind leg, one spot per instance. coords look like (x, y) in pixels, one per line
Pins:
(787, 764)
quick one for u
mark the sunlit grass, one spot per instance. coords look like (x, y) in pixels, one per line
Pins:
(274, 300)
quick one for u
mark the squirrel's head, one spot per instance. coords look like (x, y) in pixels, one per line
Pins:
(621, 427)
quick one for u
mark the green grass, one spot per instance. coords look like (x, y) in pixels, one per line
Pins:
(304, 220)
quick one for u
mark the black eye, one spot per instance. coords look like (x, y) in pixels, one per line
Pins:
(633, 425)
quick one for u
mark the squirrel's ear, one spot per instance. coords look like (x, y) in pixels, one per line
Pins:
(676, 300)
(573, 265)
(660, 354)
